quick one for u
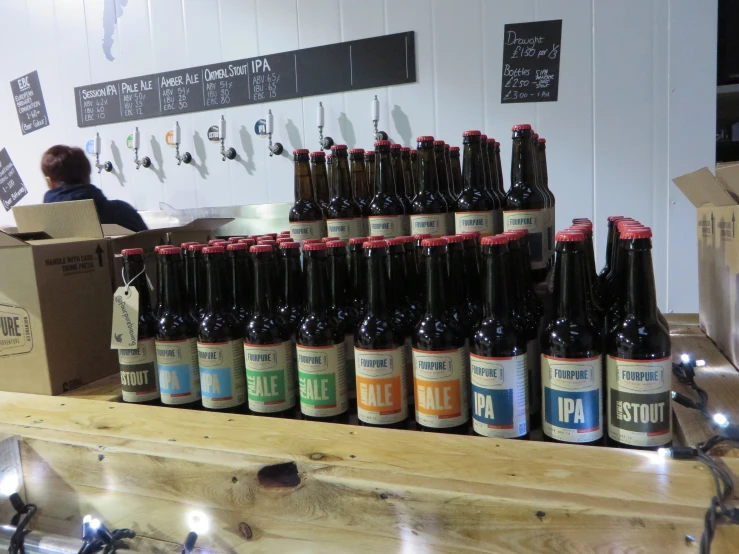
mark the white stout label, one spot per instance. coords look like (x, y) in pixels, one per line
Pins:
(222, 377)
(390, 226)
(475, 221)
(179, 373)
(270, 376)
(322, 377)
(351, 376)
(499, 396)
(433, 224)
(381, 383)
(442, 387)
(345, 229)
(301, 230)
(139, 372)
(535, 221)
(573, 398)
(639, 411)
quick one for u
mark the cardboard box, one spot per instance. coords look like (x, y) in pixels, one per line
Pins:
(716, 199)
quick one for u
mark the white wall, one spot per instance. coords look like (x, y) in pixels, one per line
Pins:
(636, 100)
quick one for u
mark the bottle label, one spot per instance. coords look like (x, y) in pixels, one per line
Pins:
(475, 221)
(408, 357)
(433, 224)
(442, 387)
(301, 230)
(639, 411)
(535, 221)
(381, 382)
(322, 377)
(573, 398)
(351, 375)
(499, 395)
(222, 381)
(345, 229)
(179, 373)
(390, 226)
(270, 376)
(139, 372)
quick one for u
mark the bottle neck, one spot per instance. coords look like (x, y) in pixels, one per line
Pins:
(214, 264)
(398, 174)
(543, 174)
(357, 276)
(239, 272)
(398, 279)
(499, 170)
(523, 161)
(384, 181)
(456, 170)
(609, 247)
(199, 282)
(640, 296)
(292, 286)
(343, 179)
(315, 286)
(473, 176)
(359, 180)
(407, 175)
(320, 181)
(436, 278)
(456, 284)
(338, 279)
(172, 285)
(496, 283)
(377, 275)
(263, 279)
(303, 181)
(569, 294)
(133, 272)
(441, 173)
(427, 171)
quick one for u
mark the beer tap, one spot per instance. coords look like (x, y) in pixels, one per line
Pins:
(379, 135)
(276, 148)
(145, 161)
(107, 166)
(186, 157)
(327, 142)
(229, 153)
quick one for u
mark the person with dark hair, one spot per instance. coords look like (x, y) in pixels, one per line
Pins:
(67, 171)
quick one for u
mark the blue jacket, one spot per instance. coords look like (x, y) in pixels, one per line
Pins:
(109, 211)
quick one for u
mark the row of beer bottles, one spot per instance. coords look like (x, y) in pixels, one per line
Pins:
(434, 195)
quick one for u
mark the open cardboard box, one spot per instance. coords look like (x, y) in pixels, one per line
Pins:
(57, 275)
(716, 199)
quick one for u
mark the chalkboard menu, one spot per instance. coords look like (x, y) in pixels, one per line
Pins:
(344, 66)
(12, 188)
(531, 53)
(29, 102)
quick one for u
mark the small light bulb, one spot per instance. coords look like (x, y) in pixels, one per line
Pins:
(9, 483)
(95, 524)
(87, 519)
(700, 363)
(198, 522)
(664, 452)
(720, 420)
(684, 358)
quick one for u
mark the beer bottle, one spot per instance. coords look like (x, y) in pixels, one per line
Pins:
(320, 346)
(525, 202)
(403, 318)
(177, 338)
(306, 218)
(414, 168)
(387, 214)
(493, 172)
(320, 179)
(268, 345)
(239, 280)
(457, 284)
(571, 353)
(613, 282)
(360, 186)
(544, 183)
(440, 355)
(341, 310)
(369, 169)
(185, 265)
(408, 176)
(639, 364)
(476, 208)
(357, 276)
(159, 308)
(379, 350)
(456, 171)
(198, 282)
(220, 343)
(610, 249)
(290, 301)
(443, 184)
(344, 216)
(429, 209)
(330, 174)
(498, 354)
(401, 188)
(138, 365)
(499, 167)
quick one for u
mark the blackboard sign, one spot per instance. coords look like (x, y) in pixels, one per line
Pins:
(12, 188)
(29, 102)
(531, 53)
(344, 66)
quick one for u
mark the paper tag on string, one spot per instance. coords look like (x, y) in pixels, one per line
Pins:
(125, 330)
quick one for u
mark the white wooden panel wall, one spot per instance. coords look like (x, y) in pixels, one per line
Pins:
(636, 101)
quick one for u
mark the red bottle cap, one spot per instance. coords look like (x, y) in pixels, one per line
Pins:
(356, 151)
(570, 236)
(298, 151)
(327, 239)
(397, 241)
(414, 152)
(318, 154)
(255, 237)
(542, 140)
(497, 144)
(309, 241)
(447, 147)
(257, 248)
(424, 138)
(171, 250)
(421, 236)
(329, 156)
(406, 239)
(312, 246)
(267, 241)
(491, 141)
(382, 143)
(395, 146)
(615, 218)
(214, 241)
(637, 233)
(517, 233)
(454, 149)
(375, 244)
(472, 134)
(237, 246)
(470, 234)
(521, 127)
(232, 240)
(214, 250)
(369, 153)
(336, 243)
(160, 246)
(454, 239)
(285, 232)
(132, 252)
(581, 220)
(495, 239)
(433, 242)
(185, 244)
(535, 135)
(282, 239)
(624, 223)
(405, 149)
(376, 237)
(339, 147)
(250, 242)
(357, 240)
(195, 247)
(289, 244)
(439, 143)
